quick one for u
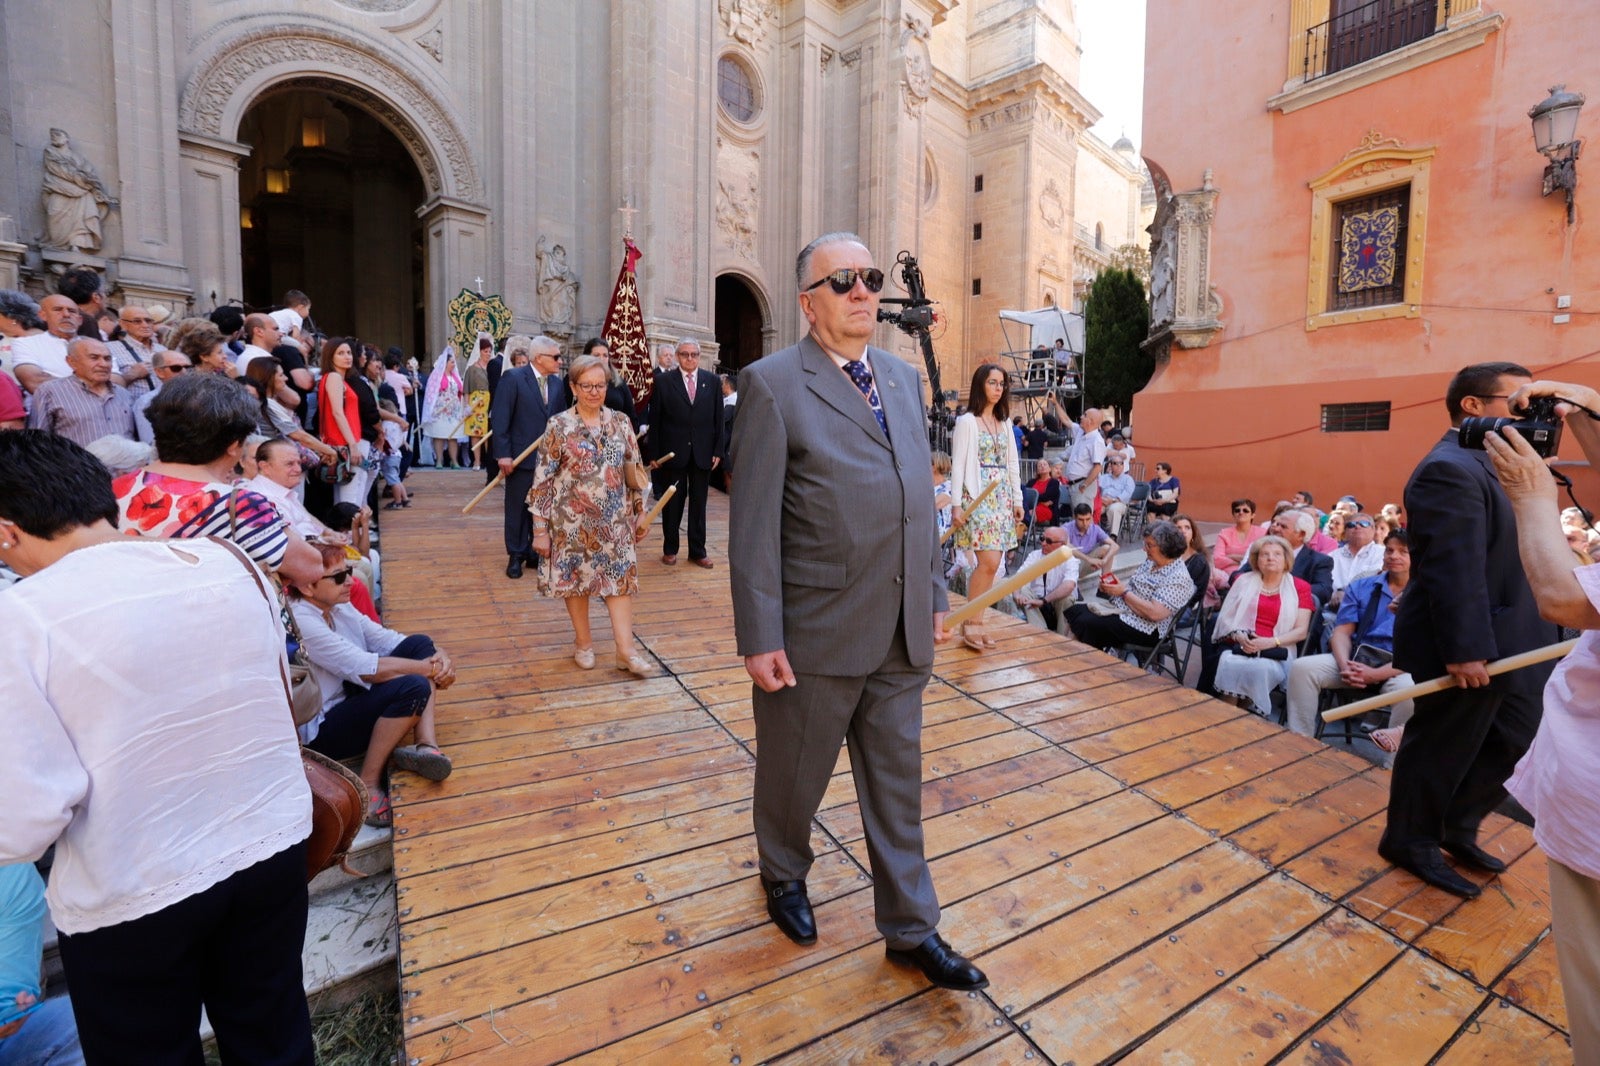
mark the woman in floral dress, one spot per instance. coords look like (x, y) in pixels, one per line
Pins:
(586, 518)
(983, 449)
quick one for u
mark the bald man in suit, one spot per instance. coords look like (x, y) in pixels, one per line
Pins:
(839, 600)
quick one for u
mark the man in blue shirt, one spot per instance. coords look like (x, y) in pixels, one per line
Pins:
(1090, 545)
(1116, 490)
(1362, 643)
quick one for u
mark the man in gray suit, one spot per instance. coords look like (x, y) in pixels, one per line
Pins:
(838, 600)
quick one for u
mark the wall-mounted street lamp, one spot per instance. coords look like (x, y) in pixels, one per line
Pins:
(1555, 135)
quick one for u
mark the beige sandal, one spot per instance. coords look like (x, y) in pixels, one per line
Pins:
(584, 657)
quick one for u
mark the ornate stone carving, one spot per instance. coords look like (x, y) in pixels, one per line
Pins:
(918, 80)
(1184, 306)
(1372, 139)
(1052, 208)
(558, 288)
(432, 42)
(75, 200)
(355, 69)
(745, 20)
(825, 54)
(738, 196)
(849, 59)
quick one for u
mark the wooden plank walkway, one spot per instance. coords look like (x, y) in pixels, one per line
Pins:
(1144, 873)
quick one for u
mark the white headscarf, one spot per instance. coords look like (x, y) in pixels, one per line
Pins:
(444, 370)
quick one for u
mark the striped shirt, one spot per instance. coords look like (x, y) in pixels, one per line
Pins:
(126, 351)
(158, 505)
(68, 407)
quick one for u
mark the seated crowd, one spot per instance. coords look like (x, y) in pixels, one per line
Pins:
(163, 476)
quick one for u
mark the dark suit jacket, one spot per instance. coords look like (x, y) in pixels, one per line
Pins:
(693, 433)
(518, 414)
(1312, 567)
(496, 368)
(832, 540)
(1468, 599)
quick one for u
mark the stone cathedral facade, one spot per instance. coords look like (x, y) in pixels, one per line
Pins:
(384, 154)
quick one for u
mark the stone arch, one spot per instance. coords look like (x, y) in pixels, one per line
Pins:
(742, 337)
(328, 58)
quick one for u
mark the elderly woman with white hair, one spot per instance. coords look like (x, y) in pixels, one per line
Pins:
(1265, 615)
(1144, 605)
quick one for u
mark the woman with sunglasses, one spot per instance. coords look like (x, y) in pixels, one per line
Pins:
(1233, 542)
(984, 449)
(377, 685)
(585, 514)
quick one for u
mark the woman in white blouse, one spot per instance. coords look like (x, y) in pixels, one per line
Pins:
(377, 685)
(163, 767)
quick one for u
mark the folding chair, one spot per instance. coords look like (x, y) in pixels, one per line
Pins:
(1133, 518)
(1163, 657)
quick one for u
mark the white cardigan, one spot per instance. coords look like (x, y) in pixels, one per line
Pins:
(965, 472)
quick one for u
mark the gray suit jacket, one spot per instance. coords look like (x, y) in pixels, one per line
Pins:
(832, 534)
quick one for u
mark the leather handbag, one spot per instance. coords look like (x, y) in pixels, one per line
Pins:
(305, 695)
(635, 474)
(338, 472)
(338, 808)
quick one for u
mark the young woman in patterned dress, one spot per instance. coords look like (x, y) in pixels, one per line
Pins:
(983, 449)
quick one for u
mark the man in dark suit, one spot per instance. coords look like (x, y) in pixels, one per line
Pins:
(521, 409)
(1468, 603)
(686, 420)
(838, 600)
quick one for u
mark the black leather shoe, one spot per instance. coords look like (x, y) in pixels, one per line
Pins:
(941, 964)
(514, 567)
(1426, 862)
(1469, 854)
(790, 909)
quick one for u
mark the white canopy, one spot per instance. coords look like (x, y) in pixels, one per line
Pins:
(1044, 326)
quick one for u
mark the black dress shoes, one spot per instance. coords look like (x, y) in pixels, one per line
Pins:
(941, 964)
(514, 567)
(790, 909)
(1426, 862)
(1469, 854)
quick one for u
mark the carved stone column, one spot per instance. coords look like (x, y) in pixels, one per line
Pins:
(457, 252)
(209, 182)
(11, 254)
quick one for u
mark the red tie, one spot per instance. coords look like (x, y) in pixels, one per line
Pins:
(688, 383)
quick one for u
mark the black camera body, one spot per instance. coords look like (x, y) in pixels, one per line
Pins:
(1540, 427)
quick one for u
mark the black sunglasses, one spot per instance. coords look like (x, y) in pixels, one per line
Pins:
(1361, 524)
(339, 577)
(1242, 510)
(842, 281)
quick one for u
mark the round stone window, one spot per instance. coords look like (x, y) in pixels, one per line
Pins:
(736, 89)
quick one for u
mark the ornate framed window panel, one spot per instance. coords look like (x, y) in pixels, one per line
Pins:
(1369, 219)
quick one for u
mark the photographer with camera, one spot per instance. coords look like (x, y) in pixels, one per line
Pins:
(1558, 780)
(1468, 603)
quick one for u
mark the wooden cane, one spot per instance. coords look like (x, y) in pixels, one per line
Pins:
(454, 433)
(481, 441)
(973, 608)
(1439, 684)
(973, 506)
(650, 517)
(501, 477)
(659, 461)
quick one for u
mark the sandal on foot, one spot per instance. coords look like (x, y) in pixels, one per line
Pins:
(379, 814)
(974, 638)
(633, 664)
(584, 657)
(424, 760)
(395, 506)
(1387, 739)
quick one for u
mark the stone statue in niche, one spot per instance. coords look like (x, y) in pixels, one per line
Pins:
(558, 288)
(75, 200)
(918, 82)
(1163, 262)
(738, 197)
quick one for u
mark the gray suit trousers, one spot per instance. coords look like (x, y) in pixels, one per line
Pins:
(798, 733)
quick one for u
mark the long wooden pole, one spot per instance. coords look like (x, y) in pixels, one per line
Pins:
(650, 517)
(482, 441)
(973, 506)
(973, 608)
(500, 477)
(1439, 684)
(659, 461)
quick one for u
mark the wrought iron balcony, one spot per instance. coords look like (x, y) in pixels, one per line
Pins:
(1358, 34)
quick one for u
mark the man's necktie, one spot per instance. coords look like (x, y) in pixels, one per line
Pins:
(857, 369)
(688, 383)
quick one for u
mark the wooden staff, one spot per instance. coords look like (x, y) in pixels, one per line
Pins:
(454, 433)
(973, 608)
(650, 518)
(973, 506)
(500, 477)
(659, 461)
(1439, 684)
(481, 441)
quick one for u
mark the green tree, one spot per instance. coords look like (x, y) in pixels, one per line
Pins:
(1116, 321)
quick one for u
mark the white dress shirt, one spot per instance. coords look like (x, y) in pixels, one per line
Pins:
(45, 351)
